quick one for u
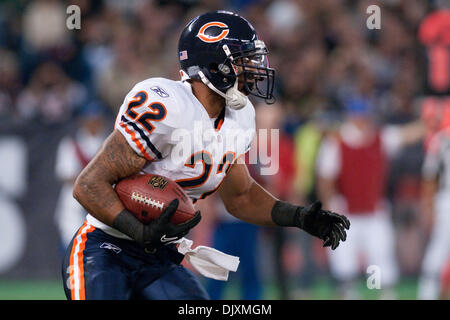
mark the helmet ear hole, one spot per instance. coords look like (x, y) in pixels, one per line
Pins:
(214, 67)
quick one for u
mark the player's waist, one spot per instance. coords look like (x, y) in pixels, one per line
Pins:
(105, 228)
(99, 240)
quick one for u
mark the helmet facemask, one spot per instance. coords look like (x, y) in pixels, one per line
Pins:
(250, 61)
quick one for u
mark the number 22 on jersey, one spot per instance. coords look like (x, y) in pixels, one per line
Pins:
(207, 161)
(157, 111)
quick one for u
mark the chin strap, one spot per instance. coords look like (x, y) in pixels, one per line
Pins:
(233, 97)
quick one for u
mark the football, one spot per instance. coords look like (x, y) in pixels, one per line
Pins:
(147, 195)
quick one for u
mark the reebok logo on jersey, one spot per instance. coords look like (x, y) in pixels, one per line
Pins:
(110, 246)
(160, 92)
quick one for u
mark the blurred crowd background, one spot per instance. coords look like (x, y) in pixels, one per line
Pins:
(60, 90)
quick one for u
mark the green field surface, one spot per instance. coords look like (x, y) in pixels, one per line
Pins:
(321, 290)
(324, 290)
(31, 290)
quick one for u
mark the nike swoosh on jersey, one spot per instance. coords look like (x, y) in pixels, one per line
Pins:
(167, 239)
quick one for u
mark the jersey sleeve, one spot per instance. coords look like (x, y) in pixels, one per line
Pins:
(147, 118)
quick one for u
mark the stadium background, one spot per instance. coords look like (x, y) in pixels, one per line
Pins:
(52, 79)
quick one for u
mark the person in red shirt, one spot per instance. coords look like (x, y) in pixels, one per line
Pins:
(352, 167)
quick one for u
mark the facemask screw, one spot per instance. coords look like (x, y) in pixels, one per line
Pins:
(224, 68)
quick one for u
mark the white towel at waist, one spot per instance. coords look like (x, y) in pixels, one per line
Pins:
(208, 261)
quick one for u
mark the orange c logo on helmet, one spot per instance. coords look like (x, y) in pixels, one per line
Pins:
(206, 38)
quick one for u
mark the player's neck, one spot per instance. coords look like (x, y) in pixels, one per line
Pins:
(212, 102)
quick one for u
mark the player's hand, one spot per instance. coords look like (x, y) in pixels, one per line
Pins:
(161, 231)
(326, 225)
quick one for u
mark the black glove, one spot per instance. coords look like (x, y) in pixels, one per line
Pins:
(325, 225)
(159, 231)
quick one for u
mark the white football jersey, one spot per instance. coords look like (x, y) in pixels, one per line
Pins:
(164, 122)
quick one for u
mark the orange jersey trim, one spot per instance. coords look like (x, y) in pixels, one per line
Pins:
(136, 141)
(77, 288)
(219, 125)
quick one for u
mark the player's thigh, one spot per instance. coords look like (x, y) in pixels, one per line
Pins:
(177, 284)
(91, 272)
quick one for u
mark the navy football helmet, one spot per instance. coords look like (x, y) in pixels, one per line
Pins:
(218, 47)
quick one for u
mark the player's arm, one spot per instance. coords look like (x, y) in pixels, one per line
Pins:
(245, 199)
(93, 187)
(412, 132)
(430, 180)
(94, 191)
(429, 189)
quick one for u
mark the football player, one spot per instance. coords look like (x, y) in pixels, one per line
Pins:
(436, 206)
(115, 256)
